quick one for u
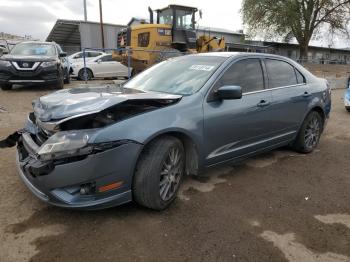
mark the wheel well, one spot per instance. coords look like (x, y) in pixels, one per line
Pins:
(320, 111)
(190, 147)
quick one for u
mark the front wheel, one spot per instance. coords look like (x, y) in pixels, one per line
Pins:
(6, 86)
(159, 173)
(309, 134)
(67, 77)
(60, 80)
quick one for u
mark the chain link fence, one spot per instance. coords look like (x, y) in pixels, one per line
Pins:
(135, 60)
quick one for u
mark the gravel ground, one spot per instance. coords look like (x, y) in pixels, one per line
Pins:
(281, 206)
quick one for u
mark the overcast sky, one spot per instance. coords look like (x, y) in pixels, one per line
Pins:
(36, 17)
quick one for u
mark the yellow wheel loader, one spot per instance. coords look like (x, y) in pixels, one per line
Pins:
(172, 34)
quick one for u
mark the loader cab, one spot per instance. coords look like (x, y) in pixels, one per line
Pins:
(182, 19)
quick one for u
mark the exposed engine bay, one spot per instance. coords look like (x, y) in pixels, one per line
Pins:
(86, 108)
(114, 114)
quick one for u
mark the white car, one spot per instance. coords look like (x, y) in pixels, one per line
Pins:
(101, 66)
(89, 55)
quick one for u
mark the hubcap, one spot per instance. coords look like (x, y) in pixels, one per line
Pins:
(171, 174)
(312, 132)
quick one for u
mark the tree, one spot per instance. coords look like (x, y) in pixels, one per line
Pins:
(301, 19)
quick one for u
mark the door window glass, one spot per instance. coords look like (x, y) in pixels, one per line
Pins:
(184, 19)
(106, 58)
(280, 73)
(246, 73)
(300, 77)
(93, 54)
(143, 39)
(166, 17)
(80, 55)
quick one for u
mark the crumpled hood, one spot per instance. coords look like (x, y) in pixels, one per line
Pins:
(87, 100)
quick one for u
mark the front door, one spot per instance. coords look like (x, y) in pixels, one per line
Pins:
(104, 67)
(234, 128)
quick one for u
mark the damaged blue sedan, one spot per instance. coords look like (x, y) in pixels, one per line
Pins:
(93, 148)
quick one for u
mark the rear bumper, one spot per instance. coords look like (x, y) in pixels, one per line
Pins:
(60, 185)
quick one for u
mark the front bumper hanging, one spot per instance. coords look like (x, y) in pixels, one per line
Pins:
(12, 139)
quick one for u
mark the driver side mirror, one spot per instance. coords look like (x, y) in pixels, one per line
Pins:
(229, 92)
(99, 61)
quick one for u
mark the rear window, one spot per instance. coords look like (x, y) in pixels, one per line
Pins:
(280, 73)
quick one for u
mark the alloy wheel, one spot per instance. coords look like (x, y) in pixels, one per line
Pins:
(171, 174)
(312, 132)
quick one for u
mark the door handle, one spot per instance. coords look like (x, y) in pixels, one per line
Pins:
(306, 94)
(263, 103)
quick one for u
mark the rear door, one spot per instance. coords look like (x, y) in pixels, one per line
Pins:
(234, 128)
(290, 97)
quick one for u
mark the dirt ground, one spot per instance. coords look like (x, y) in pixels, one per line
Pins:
(280, 206)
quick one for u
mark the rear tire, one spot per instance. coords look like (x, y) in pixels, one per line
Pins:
(309, 134)
(7, 86)
(159, 173)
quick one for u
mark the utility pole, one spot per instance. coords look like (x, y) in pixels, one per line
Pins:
(101, 23)
(85, 12)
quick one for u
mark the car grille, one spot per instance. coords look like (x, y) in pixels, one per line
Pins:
(25, 64)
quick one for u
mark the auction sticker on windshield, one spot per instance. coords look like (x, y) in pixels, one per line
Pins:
(202, 67)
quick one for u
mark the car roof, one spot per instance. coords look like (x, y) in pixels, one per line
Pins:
(100, 56)
(37, 42)
(237, 54)
(88, 51)
(221, 54)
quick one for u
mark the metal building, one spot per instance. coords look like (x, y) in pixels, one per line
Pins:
(73, 35)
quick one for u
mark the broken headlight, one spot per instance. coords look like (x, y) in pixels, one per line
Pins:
(74, 143)
(66, 144)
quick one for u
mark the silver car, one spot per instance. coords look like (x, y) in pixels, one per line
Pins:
(93, 148)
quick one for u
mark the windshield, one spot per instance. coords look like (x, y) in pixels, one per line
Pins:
(28, 49)
(184, 75)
